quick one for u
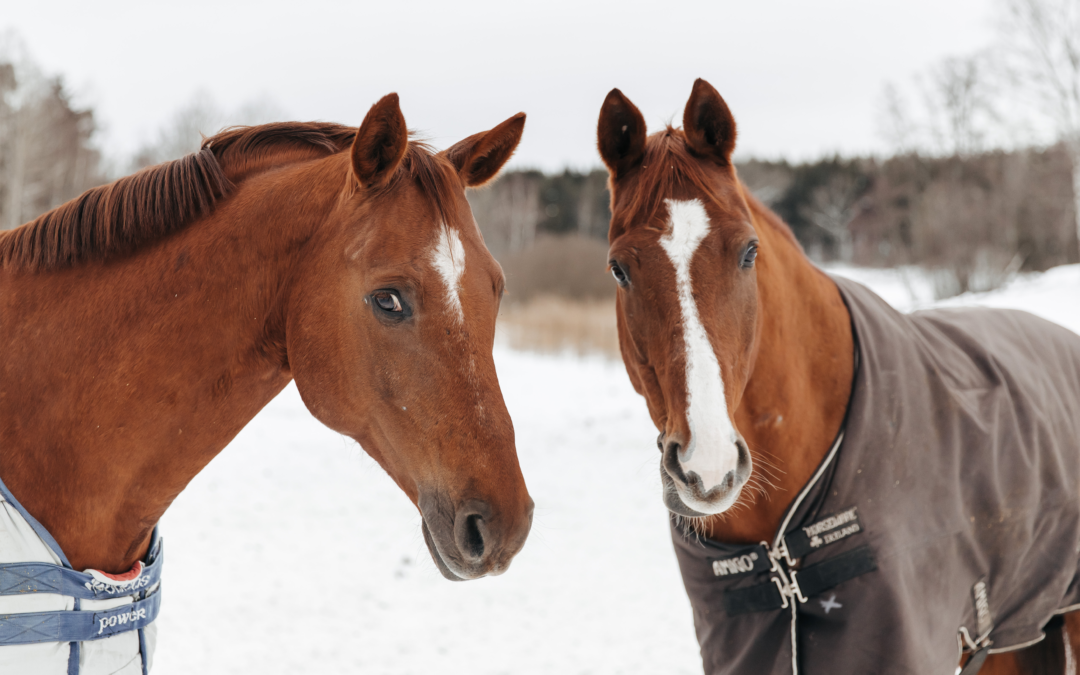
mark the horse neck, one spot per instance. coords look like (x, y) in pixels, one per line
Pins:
(133, 375)
(794, 402)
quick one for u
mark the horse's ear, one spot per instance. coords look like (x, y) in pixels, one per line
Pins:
(708, 124)
(620, 134)
(380, 143)
(480, 156)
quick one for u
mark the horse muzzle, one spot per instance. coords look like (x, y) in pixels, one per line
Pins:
(687, 494)
(471, 540)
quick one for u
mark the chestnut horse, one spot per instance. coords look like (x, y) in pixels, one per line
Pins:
(144, 323)
(774, 325)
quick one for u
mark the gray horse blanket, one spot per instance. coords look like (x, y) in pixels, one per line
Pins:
(947, 516)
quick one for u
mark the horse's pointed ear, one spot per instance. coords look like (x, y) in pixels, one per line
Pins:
(480, 156)
(620, 134)
(708, 123)
(380, 143)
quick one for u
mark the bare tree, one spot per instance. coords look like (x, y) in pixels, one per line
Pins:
(46, 150)
(1042, 41)
(895, 123)
(508, 211)
(958, 115)
(832, 208)
(960, 99)
(200, 117)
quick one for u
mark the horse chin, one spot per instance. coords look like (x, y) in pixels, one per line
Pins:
(674, 502)
(437, 557)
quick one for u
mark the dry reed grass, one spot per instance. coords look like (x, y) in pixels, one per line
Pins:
(570, 266)
(554, 324)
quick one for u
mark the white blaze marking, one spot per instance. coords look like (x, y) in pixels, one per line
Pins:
(448, 257)
(711, 452)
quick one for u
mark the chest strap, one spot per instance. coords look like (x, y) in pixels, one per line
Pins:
(799, 584)
(40, 577)
(78, 626)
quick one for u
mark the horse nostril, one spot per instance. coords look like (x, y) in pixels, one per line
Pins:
(472, 544)
(472, 532)
(670, 462)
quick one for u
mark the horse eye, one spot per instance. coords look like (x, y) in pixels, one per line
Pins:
(387, 301)
(749, 257)
(617, 272)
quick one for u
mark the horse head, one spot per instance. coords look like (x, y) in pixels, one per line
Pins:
(683, 249)
(390, 330)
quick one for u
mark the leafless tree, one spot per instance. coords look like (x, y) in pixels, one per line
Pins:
(1042, 43)
(508, 211)
(896, 125)
(767, 180)
(958, 115)
(46, 150)
(832, 208)
(960, 98)
(200, 117)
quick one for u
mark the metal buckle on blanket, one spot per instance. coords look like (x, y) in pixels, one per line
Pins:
(784, 591)
(786, 581)
(796, 591)
(782, 552)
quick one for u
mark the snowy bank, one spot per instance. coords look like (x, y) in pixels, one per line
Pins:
(293, 552)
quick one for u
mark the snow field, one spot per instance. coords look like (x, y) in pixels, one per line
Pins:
(293, 552)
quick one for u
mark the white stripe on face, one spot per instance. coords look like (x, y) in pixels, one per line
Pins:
(711, 451)
(448, 257)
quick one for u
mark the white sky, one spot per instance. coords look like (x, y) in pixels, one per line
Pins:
(802, 78)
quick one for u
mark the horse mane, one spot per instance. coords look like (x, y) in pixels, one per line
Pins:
(142, 208)
(668, 163)
(763, 214)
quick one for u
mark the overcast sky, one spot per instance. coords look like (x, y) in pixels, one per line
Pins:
(802, 78)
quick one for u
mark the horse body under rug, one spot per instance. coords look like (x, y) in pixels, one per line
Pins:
(948, 514)
(57, 621)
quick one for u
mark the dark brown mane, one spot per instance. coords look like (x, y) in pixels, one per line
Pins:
(139, 209)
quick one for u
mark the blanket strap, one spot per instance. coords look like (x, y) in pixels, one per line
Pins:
(41, 577)
(975, 663)
(802, 584)
(78, 626)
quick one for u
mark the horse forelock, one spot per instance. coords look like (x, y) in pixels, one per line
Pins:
(137, 210)
(669, 167)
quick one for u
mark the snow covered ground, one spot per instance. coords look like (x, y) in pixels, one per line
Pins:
(294, 553)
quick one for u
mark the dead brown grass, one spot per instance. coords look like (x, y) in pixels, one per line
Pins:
(553, 324)
(570, 266)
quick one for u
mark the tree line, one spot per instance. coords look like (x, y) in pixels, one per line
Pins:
(47, 155)
(972, 220)
(983, 179)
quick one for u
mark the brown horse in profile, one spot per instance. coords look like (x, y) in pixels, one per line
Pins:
(146, 322)
(735, 449)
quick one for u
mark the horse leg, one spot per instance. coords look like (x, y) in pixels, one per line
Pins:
(1005, 664)
(1053, 656)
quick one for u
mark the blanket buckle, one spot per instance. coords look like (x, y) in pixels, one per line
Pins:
(785, 580)
(782, 552)
(783, 592)
(796, 591)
